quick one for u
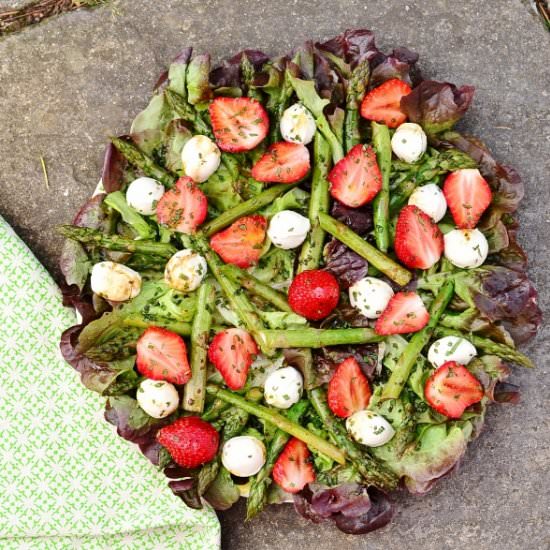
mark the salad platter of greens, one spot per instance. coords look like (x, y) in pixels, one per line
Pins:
(298, 282)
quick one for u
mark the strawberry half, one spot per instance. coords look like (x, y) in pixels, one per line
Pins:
(418, 240)
(404, 313)
(356, 179)
(232, 351)
(242, 242)
(313, 294)
(468, 196)
(190, 441)
(162, 355)
(451, 388)
(239, 123)
(293, 469)
(183, 208)
(283, 162)
(348, 389)
(383, 104)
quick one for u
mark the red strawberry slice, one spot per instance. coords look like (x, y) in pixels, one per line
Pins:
(293, 469)
(383, 104)
(451, 388)
(239, 123)
(348, 389)
(232, 351)
(314, 294)
(190, 441)
(183, 208)
(242, 242)
(418, 240)
(468, 196)
(162, 355)
(356, 179)
(404, 313)
(283, 162)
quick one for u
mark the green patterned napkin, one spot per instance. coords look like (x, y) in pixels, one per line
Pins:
(66, 479)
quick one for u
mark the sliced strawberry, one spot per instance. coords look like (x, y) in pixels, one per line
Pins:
(356, 179)
(314, 294)
(183, 208)
(293, 469)
(190, 441)
(232, 351)
(404, 313)
(451, 388)
(283, 162)
(418, 240)
(348, 389)
(162, 355)
(239, 123)
(468, 196)
(383, 104)
(242, 242)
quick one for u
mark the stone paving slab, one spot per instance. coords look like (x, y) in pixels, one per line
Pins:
(68, 83)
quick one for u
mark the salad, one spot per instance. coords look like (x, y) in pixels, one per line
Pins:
(298, 282)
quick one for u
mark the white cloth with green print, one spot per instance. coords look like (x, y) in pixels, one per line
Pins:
(66, 479)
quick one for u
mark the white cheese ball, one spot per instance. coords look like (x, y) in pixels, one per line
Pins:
(185, 271)
(431, 200)
(283, 388)
(466, 248)
(143, 195)
(370, 296)
(369, 428)
(409, 142)
(115, 282)
(243, 456)
(157, 398)
(201, 158)
(451, 348)
(288, 229)
(297, 124)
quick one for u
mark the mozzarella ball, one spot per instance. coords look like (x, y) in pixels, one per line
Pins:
(297, 124)
(409, 142)
(369, 428)
(370, 296)
(115, 282)
(185, 270)
(243, 456)
(201, 158)
(288, 229)
(431, 200)
(283, 387)
(451, 348)
(466, 248)
(143, 194)
(157, 398)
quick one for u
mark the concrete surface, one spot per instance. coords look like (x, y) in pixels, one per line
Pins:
(68, 83)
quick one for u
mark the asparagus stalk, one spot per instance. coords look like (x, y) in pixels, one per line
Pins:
(312, 249)
(94, 237)
(317, 338)
(145, 163)
(257, 498)
(370, 469)
(138, 321)
(404, 365)
(356, 91)
(280, 421)
(186, 111)
(488, 346)
(381, 205)
(244, 209)
(255, 286)
(117, 201)
(194, 390)
(282, 103)
(378, 259)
